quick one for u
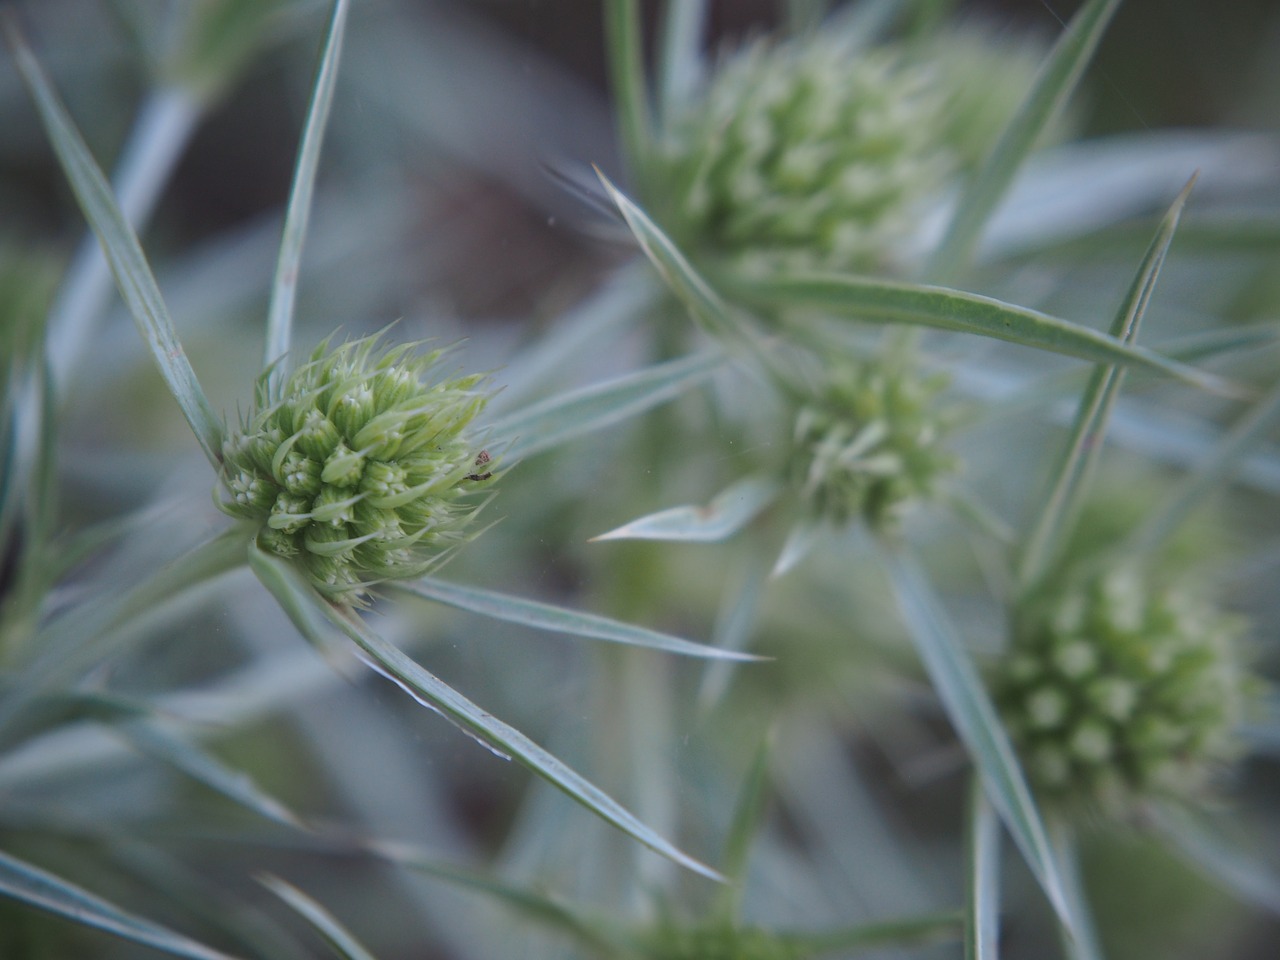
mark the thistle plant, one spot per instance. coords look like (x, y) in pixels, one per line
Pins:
(1120, 690)
(356, 468)
(856, 323)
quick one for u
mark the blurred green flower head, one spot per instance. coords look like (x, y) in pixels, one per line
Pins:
(358, 467)
(869, 443)
(1120, 690)
(810, 154)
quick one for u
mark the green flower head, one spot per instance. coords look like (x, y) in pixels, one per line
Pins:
(1119, 690)
(358, 467)
(809, 154)
(869, 443)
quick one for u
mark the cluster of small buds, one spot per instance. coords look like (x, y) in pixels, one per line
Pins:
(869, 444)
(810, 154)
(1117, 692)
(357, 467)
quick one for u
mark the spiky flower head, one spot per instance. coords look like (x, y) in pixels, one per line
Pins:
(809, 154)
(1119, 689)
(358, 466)
(869, 442)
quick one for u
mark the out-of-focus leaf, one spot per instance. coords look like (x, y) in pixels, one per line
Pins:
(198, 763)
(1057, 79)
(120, 244)
(334, 933)
(1231, 866)
(982, 846)
(284, 287)
(545, 616)
(727, 513)
(748, 814)
(1209, 476)
(969, 707)
(39, 888)
(625, 42)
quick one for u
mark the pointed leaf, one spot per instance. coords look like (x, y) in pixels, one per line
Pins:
(982, 920)
(51, 893)
(801, 539)
(309, 613)
(885, 301)
(560, 419)
(706, 306)
(545, 616)
(120, 244)
(969, 707)
(334, 933)
(1081, 941)
(680, 61)
(285, 286)
(1074, 471)
(1054, 84)
(199, 764)
(727, 513)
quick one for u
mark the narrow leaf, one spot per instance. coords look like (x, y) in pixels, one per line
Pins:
(1076, 466)
(706, 306)
(1057, 79)
(285, 286)
(39, 888)
(801, 539)
(748, 815)
(544, 616)
(885, 301)
(727, 513)
(680, 60)
(128, 263)
(334, 933)
(625, 42)
(201, 765)
(560, 419)
(1081, 941)
(969, 707)
(982, 918)
(308, 612)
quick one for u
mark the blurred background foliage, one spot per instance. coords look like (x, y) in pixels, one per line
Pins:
(441, 206)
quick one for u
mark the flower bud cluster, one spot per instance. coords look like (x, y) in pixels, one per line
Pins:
(357, 467)
(869, 444)
(1117, 691)
(810, 154)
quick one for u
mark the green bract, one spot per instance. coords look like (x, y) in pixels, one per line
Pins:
(357, 467)
(1118, 690)
(869, 442)
(811, 154)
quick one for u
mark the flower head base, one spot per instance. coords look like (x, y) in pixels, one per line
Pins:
(869, 444)
(357, 468)
(1117, 692)
(810, 154)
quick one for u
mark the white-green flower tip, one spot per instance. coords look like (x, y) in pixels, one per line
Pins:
(810, 154)
(869, 443)
(358, 468)
(1118, 691)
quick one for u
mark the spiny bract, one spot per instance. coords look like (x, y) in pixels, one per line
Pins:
(357, 467)
(1118, 690)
